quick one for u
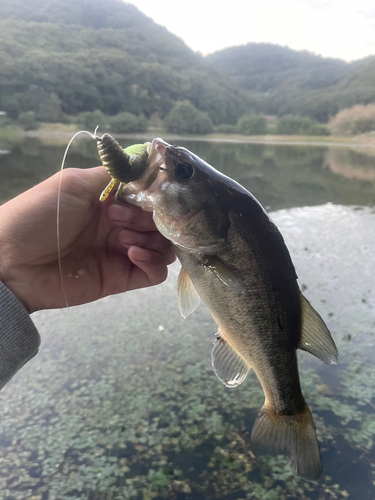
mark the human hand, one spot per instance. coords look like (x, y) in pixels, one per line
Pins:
(101, 252)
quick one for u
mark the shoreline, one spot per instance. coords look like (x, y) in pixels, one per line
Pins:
(59, 132)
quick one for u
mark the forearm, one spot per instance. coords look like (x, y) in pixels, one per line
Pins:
(19, 339)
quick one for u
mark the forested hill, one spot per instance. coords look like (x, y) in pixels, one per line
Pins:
(140, 36)
(71, 56)
(85, 55)
(88, 13)
(285, 81)
(265, 67)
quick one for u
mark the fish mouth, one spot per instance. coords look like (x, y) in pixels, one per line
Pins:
(159, 147)
(160, 150)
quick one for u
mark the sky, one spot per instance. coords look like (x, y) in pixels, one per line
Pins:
(343, 29)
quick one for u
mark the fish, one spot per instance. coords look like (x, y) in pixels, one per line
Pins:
(234, 259)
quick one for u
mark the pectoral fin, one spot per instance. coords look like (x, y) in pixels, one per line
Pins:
(188, 298)
(228, 365)
(316, 337)
(221, 271)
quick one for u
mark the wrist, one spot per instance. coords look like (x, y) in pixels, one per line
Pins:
(13, 271)
(18, 293)
(9, 276)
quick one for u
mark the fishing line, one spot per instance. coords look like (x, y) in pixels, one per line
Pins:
(94, 136)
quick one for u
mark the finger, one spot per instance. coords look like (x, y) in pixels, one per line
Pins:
(150, 267)
(131, 217)
(81, 183)
(113, 242)
(150, 241)
(121, 240)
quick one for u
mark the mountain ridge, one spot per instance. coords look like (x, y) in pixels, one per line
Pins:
(117, 61)
(286, 81)
(90, 54)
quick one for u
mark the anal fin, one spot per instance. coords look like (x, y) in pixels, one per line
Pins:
(316, 337)
(228, 365)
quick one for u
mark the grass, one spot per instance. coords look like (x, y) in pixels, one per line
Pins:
(10, 132)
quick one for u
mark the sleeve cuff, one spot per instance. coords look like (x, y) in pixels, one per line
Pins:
(19, 339)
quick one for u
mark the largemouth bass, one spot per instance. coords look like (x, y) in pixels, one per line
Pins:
(234, 258)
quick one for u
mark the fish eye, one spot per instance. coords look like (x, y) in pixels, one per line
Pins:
(184, 171)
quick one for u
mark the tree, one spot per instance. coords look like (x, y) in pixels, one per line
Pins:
(362, 125)
(184, 118)
(46, 106)
(139, 68)
(127, 122)
(92, 119)
(28, 121)
(300, 125)
(226, 128)
(252, 124)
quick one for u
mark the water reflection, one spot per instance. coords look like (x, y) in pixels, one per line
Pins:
(351, 164)
(30, 161)
(279, 176)
(289, 176)
(120, 404)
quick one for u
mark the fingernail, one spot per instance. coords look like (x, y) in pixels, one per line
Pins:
(120, 213)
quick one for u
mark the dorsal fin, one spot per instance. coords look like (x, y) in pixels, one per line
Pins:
(316, 337)
(188, 298)
(228, 365)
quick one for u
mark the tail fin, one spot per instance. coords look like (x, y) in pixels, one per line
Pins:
(292, 435)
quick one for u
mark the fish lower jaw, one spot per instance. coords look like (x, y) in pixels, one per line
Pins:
(137, 199)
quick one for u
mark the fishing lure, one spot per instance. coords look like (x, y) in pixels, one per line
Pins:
(123, 165)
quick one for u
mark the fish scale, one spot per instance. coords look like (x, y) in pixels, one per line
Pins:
(254, 340)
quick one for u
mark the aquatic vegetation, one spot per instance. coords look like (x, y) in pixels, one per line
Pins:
(136, 412)
(120, 404)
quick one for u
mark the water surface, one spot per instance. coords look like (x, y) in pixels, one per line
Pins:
(122, 401)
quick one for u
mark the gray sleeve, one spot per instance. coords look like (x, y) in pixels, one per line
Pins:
(19, 339)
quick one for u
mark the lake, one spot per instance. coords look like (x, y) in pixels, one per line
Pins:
(122, 401)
